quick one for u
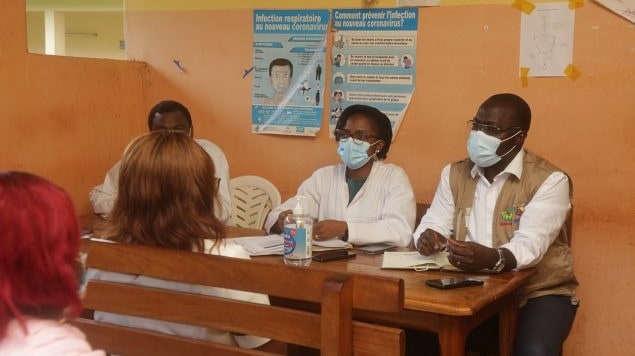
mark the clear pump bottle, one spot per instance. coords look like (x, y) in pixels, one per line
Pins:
(298, 235)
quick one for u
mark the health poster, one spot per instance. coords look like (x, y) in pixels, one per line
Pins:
(289, 62)
(373, 60)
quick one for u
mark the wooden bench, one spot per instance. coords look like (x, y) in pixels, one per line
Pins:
(331, 329)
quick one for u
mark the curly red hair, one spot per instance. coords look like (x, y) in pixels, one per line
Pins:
(39, 245)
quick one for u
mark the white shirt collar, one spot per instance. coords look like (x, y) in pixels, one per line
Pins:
(514, 167)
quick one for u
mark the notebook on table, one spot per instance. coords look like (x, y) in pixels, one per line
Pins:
(418, 262)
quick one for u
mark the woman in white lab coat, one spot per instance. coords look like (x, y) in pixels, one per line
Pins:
(361, 200)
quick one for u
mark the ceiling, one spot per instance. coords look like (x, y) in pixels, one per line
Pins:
(75, 5)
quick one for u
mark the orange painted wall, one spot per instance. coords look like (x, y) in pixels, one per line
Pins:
(69, 120)
(64, 118)
(465, 53)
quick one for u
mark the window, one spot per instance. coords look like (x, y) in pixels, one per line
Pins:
(76, 28)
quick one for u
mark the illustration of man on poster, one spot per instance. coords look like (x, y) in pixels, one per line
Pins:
(280, 74)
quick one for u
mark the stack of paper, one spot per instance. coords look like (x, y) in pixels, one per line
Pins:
(274, 245)
(262, 245)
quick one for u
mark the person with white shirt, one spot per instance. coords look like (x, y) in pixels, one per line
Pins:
(169, 204)
(505, 208)
(169, 115)
(361, 200)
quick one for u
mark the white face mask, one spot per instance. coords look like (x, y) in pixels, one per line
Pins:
(354, 154)
(482, 148)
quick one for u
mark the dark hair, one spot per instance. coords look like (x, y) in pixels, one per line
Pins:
(169, 106)
(379, 119)
(281, 62)
(38, 250)
(521, 109)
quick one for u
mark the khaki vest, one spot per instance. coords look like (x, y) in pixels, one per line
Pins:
(555, 270)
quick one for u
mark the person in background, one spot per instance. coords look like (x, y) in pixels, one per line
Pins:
(169, 203)
(39, 247)
(505, 208)
(361, 200)
(169, 115)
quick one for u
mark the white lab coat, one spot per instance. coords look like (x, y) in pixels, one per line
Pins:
(383, 210)
(103, 196)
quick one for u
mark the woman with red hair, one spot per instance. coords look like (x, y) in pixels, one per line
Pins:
(39, 244)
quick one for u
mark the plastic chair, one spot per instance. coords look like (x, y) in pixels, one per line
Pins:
(253, 197)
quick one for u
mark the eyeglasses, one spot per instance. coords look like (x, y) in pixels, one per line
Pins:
(489, 129)
(358, 136)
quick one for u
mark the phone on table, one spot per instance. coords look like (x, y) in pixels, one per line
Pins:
(333, 255)
(374, 249)
(455, 282)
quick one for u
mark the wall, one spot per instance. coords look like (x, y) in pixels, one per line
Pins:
(109, 29)
(64, 118)
(70, 118)
(88, 34)
(465, 54)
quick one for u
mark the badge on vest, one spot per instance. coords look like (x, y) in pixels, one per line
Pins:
(512, 215)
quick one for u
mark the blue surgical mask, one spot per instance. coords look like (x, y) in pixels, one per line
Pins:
(482, 148)
(354, 154)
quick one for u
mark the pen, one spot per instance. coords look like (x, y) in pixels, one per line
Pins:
(274, 245)
(444, 247)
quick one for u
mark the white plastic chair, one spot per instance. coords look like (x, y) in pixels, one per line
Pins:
(253, 197)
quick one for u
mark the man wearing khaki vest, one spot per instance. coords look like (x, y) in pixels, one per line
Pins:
(505, 208)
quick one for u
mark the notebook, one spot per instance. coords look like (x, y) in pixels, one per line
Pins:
(414, 260)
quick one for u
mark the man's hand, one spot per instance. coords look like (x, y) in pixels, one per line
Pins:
(430, 242)
(470, 256)
(328, 229)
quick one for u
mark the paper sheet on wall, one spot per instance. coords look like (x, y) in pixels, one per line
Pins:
(624, 8)
(546, 39)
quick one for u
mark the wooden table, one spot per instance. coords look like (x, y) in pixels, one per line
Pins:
(451, 314)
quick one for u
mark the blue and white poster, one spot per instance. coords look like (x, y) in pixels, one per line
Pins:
(373, 61)
(289, 63)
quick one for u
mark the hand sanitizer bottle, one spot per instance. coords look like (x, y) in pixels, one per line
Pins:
(298, 234)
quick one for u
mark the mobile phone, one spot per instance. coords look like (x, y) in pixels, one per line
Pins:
(374, 249)
(456, 282)
(333, 255)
